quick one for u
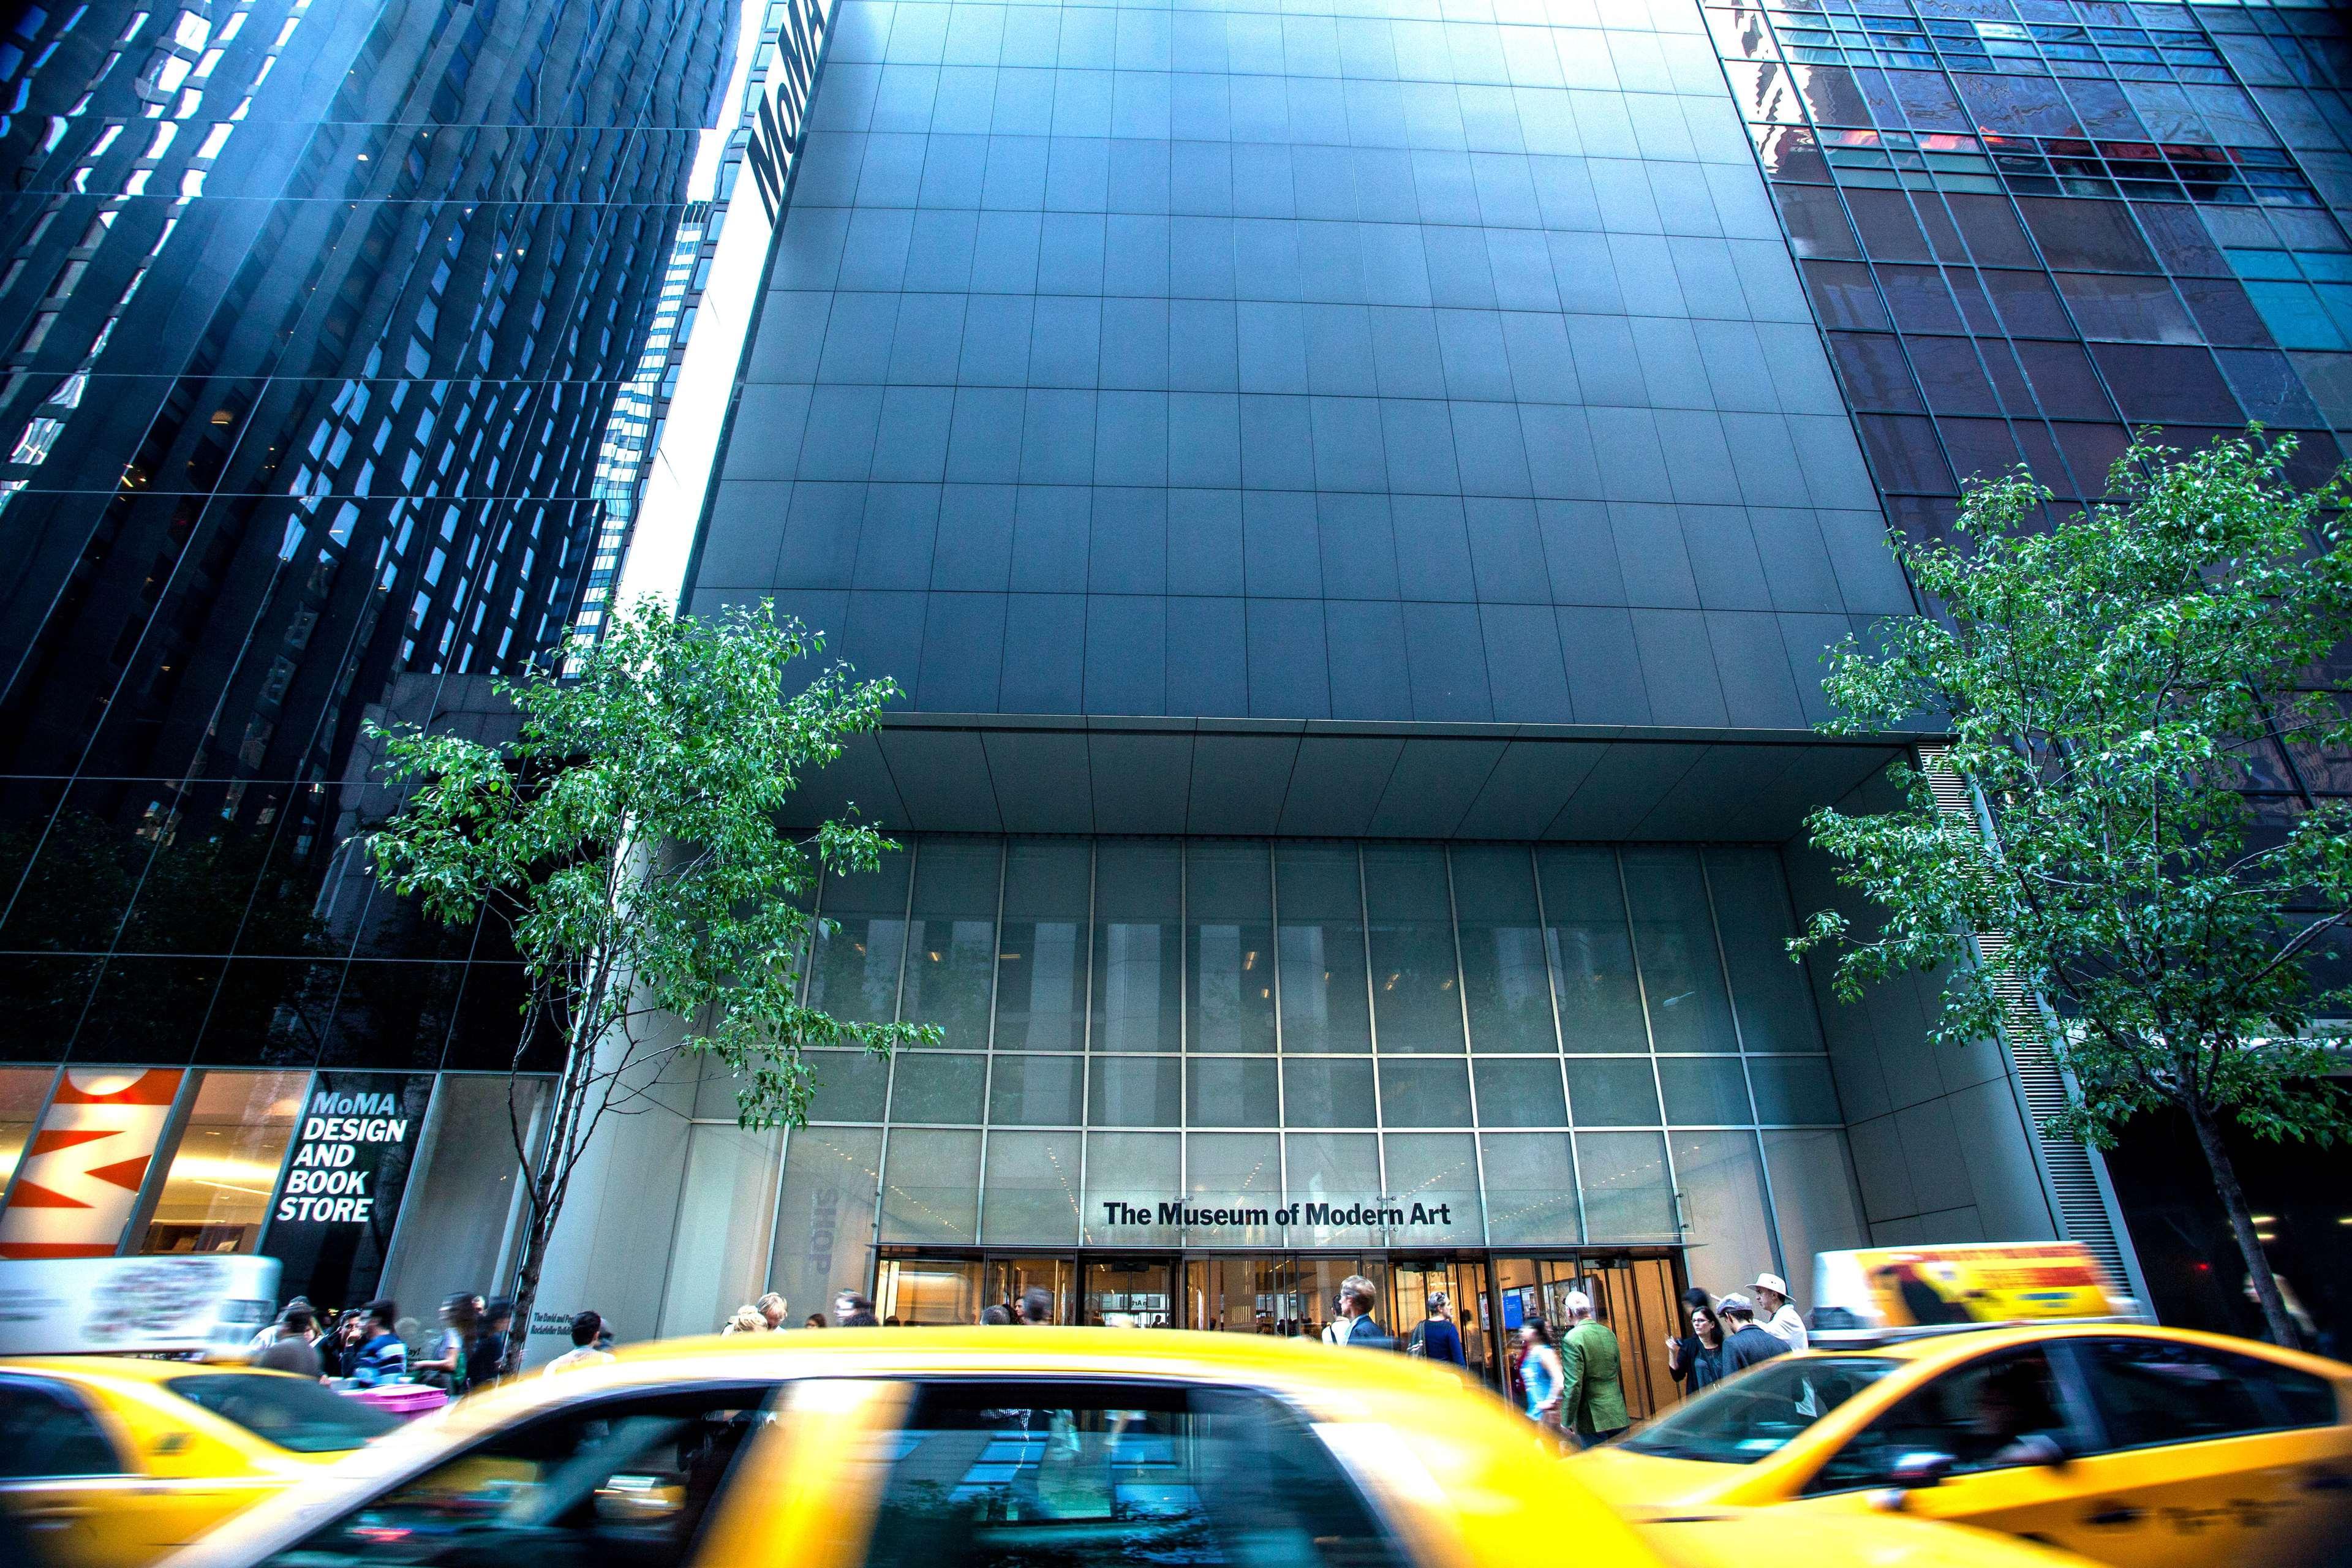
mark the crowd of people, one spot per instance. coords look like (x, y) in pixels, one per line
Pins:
(1734, 1332)
(371, 1346)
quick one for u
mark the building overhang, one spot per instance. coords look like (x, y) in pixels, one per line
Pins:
(949, 772)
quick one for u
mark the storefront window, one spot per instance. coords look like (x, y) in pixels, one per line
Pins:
(1674, 936)
(22, 1092)
(1229, 947)
(1138, 935)
(853, 974)
(1325, 1005)
(1503, 967)
(1416, 995)
(215, 1195)
(930, 1189)
(1774, 1001)
(824, 1214)
(953, 958)
(1041, 959)
(1591, 951)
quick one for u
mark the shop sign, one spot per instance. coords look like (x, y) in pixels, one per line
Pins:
(1370, 1213)
(341, 1151)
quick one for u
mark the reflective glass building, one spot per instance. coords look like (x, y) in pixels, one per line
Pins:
(310, 316)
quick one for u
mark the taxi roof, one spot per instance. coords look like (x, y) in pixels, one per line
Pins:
(130, 1368)
(1961, 1342)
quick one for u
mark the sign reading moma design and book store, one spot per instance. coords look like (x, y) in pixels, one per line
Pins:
(1371, 1213)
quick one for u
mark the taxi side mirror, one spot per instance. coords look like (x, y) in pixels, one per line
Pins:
(1910, 1472)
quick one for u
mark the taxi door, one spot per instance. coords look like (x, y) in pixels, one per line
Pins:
(2207, 1455)
(1987, 1428)
(70, 1476)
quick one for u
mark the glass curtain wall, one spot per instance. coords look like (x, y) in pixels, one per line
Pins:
(1406, 1044)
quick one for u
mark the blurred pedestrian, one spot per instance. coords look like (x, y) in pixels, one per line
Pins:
(266, 1335)
(1593, 1401)
(338, 1354)
(292, 1350)
(1036, 1305)
(604, 1334)
(486, 1354)
(997, 1317)
(771, 1308)
(382, 1358)
(1435, 1338)
(1745, 1344)
(1695, 1359)
(586, 1327)
(745, 1319)
(1356, 1325)
(852, 1310)
(459, 1318)
(1775, 1314)
(1540, 1374)
(816, 1320)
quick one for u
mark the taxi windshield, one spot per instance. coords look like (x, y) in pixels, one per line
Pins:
(1740, 1421)
(300, 1416)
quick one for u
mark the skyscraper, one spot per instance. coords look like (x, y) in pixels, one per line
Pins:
(312, 315)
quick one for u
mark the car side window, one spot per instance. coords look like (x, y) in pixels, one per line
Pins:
(2150, 1392)
(46, 1433)
(1988, 1414)
(1048, 1474)
(618, 1483)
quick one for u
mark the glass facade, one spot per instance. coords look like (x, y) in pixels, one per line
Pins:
(1385, 362)
(310, 316)
(1481, 1045)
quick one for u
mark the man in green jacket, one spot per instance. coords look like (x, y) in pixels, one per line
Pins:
(1593, 1399)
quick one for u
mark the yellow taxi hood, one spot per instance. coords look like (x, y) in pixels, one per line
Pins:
(1625, 1479)
(1744, 1538)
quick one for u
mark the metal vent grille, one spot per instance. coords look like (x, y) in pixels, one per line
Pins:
(2085, 1212)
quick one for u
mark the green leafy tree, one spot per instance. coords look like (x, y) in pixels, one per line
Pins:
(629, 837)
(2110, 685)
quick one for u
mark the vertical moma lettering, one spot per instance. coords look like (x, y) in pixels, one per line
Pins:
(783, 110)
(332, 1176)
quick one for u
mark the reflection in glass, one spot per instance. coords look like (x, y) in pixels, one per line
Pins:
(1339, 1168)
(1530, 1187)
(1415, 996)
(1705, 1091)
(22, 1092)
(954, 953)
(1032, 1190)
(1613, 1091)
(853, 974)
(1503, 969)
(1591, 951)
(217, 1193)
(824, 1215)
(939, 1086)
(931, 1186)
(1129, 1168)
(1041, 961)
(1627, 1196)
(1036, 1092)
(1137, 937)
(1721, 1178)
(1234, 1170)
(1229, 947)
(1438, 1172)
(1751, 908)
(1324, 1005)
(1328, 1091)
(1675, 938)
(716, 1262)
(1231, 1092)
(1134, 1091)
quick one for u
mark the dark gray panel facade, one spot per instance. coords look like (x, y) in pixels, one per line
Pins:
(1329, 365)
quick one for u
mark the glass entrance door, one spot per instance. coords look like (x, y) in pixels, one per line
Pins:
(1010, 1278)
(1131, 1292)
(1240, 1295)
(1411, 1283)
(1633, 1296)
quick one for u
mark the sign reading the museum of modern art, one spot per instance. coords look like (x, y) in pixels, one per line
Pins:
(1371, 1213)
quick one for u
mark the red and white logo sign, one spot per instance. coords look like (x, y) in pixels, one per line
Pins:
(81, 1174)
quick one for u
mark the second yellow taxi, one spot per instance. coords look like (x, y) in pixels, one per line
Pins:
(2143, 1448)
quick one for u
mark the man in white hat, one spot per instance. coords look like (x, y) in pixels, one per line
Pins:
(1774, 1315)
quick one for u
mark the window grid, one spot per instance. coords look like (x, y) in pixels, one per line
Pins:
(1664, 1125)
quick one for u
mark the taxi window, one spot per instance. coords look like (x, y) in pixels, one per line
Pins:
(1989, 1413)
(1048, 1474)
(46, 1433)
(618, 1483)
(296, 1414)
(1746, 1417)
(2150, 1392)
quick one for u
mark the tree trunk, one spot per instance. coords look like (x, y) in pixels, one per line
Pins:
(2283, 1331)
(526, 1289)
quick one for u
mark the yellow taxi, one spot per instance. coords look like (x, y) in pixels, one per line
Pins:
(965, 1447)
(112, 1461)
(2140, 1446)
